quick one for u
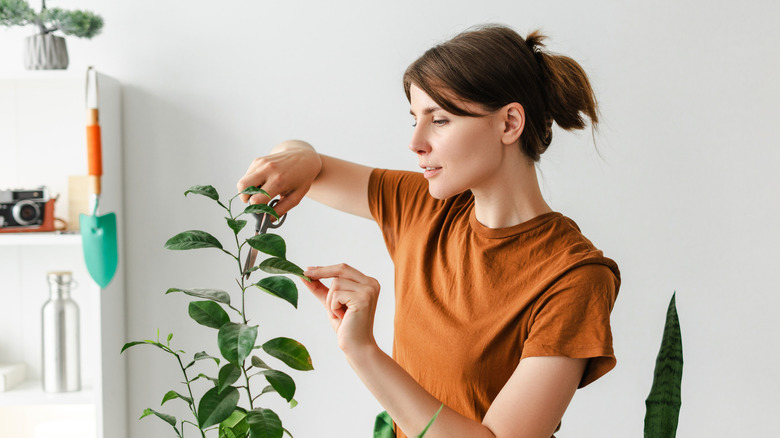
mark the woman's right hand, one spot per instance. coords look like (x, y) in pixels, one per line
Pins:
(288, 172)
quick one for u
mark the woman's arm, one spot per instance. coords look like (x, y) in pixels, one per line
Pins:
(531, 403)
(294, 169)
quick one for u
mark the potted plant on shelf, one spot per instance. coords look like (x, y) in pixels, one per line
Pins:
(44, 50)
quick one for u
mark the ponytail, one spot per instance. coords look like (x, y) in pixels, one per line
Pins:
(494, 66)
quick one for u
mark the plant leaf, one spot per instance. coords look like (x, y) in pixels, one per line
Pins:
(201, 355)
(252, 190)
(235, 424)
(275, 265)
(271, 244)
(258, 363)
(203, 376)
(264, 423)
(236, 341)
(170, 419)
(192, 239)
(147, 342)
(260, 209)
(664, 401)
(208, 313)
(383, 426)
(281, 382)
(216, 406)
(217, 295)
(170, 395)
(236, 224)
(289, 351)
(424, 431)
(228, 374)
(281, 287)
(207, 191)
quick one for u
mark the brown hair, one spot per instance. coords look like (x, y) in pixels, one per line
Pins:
(493, 66)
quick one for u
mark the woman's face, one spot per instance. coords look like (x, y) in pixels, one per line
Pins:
(457, 153)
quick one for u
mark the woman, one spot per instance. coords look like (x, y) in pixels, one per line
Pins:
(502, 305)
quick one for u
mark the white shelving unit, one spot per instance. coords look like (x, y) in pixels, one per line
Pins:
(42, 142)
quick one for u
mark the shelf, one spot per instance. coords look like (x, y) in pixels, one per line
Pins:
(33, 238)
(30, 392)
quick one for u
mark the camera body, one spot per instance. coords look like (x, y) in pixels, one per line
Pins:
(23, 208)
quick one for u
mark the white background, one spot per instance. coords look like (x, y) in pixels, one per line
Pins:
(681, 188)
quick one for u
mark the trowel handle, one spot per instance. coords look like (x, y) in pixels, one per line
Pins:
(94, 151)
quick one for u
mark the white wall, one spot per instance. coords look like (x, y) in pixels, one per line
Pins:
(684, 196)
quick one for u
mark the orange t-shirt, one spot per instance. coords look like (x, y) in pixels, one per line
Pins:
(471, 301)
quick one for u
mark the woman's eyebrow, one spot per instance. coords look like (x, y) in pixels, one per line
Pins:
(427, 110)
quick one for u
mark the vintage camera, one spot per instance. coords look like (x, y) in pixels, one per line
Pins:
(23, 208)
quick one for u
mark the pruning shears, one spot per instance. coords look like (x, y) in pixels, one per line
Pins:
(262, 223)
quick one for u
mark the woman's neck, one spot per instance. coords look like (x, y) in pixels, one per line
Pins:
(511, 197)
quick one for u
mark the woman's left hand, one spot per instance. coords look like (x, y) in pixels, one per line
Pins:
(350, 301)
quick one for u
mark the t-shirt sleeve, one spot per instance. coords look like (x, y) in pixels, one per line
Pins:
(572, 319)
(395, 199)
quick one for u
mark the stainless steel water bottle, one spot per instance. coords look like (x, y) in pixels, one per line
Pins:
(60, 333)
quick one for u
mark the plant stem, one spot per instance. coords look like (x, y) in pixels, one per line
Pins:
(189, 388)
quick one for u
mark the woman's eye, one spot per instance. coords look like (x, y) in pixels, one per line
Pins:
(440, 122)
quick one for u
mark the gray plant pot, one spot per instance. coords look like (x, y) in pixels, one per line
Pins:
(45, 52)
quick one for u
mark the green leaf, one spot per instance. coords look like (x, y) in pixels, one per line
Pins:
(235, 424)
(170, 336)
(383, 426)
(271, 244)
(293, 403)
(236, 341)
(289, 351)
(147, 342)
(281, 382)
(281, 287)
(664, 401)
(236, 224)
(424, 431)
(192, 239)
(252, 190)
(217, 295)
(258, 363)
(170, 395)
(275, 265)
(170, 419)
(208, 313)
(203, 376)
(266, 390)
(207, 191)
(228, 374)
(201, 355)
(216, 406)
(260, 209)
(264, 423)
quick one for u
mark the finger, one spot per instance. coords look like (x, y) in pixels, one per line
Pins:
(341, 270)
(288, 201)
(338, 301)
(319, 290)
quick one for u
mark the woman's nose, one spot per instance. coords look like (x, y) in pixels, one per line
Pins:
(418, 144)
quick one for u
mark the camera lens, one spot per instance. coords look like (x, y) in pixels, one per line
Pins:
(26, 212)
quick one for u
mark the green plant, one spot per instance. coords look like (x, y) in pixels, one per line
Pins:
(218, 408)
(663, 403)
(78, 23)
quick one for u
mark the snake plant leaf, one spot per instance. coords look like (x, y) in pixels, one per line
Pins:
(663, 403)
(281, 287)
(228, 375)
(289, 351)
(208, 313)
(207, 191)
(216, 406)
(192, 239)
(236, 341)
(252, 190)
(271, 244)
(281, 382)
(276, 265)
(170, 419)
(217, 295)
(264, 423)
(236, 224)
(260, 209)
(170, 395)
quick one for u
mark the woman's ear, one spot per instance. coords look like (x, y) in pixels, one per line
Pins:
(514, 122)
